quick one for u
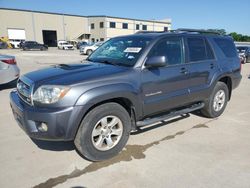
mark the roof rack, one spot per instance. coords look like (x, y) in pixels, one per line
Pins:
(144, 32)
(199, 31)
(183, 30)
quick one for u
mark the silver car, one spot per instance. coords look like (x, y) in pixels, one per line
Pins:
(9, 70)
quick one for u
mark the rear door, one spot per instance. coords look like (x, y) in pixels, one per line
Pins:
(165, 87)
(201, 64)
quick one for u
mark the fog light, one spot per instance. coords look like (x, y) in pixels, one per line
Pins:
(43, 127)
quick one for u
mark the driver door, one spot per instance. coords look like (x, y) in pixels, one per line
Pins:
(166, 87)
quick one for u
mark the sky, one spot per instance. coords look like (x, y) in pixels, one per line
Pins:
(231, 15)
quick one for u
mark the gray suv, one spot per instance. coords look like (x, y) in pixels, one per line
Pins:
(128, 82)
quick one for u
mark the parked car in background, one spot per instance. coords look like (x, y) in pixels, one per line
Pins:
(33, 45)
(73, 42)
(21, 44)
(3, 45)
(8, 69)
(15, 42)
(88, 49)
(64, 45)
(81, 43)
(244, 53)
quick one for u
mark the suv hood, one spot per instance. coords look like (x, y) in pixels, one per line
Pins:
(68, 74)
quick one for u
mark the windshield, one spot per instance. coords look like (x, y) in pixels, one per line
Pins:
(65, 43)
(123, 51)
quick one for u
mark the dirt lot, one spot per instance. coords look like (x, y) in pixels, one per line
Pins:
(188, 151)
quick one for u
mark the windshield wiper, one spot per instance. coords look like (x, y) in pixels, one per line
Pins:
(108, 62)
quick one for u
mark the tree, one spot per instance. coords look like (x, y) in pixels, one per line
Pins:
(240, 37)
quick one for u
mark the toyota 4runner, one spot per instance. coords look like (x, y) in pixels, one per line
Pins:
(128, 82)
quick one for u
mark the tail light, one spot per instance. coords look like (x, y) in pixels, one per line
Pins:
(9, 61)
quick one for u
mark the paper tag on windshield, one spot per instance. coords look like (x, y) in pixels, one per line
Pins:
(132, 50)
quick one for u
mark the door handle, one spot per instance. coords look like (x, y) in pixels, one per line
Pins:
(211, 65)
(183, 70)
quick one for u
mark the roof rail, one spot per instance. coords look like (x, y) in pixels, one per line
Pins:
(200, 31)
(144, 32)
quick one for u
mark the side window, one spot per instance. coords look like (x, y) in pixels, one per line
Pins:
(226, 46)
(197, 49)
(171, 48)
(210, 54)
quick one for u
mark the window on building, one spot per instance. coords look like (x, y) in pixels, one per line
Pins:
(226, 46)
(137, 27)
(144, 27)
(165, 28)
(101, 39)
(93, 40)
(199, 49)
(101, 25)
(112, 24)
(125, 25)
(92, 26)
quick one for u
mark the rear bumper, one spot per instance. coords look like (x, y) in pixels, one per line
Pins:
(236, 78)
(62, 123)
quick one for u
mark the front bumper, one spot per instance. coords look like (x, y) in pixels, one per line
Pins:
(62, 123)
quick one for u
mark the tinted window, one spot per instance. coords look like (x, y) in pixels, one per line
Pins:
(171, 48)
(125, 26)
(112, 24)
(197, 49)
(209, 51)
(226, 46)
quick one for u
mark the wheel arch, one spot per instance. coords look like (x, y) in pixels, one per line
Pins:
(228, 81)
(127, 97)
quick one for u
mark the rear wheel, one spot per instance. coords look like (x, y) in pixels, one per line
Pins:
(103, 132)
(217, 102)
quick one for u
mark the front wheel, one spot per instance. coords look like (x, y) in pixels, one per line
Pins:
(217, 102)
(103, 132)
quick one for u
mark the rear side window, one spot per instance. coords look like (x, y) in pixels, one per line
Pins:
(226, 46)
(199, 49)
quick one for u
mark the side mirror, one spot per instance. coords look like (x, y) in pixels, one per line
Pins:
(156, 61)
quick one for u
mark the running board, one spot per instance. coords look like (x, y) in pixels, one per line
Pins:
(149, 121)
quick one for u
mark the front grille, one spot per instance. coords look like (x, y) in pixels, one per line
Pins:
(24, 89)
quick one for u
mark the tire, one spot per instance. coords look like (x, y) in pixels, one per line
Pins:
(217, 102)
(63, 48)
(245, 60)
(91, 132)
(89, 52)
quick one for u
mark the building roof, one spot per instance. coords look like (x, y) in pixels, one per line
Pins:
(91, 16)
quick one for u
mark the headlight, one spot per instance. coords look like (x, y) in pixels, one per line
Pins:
(48, 94)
